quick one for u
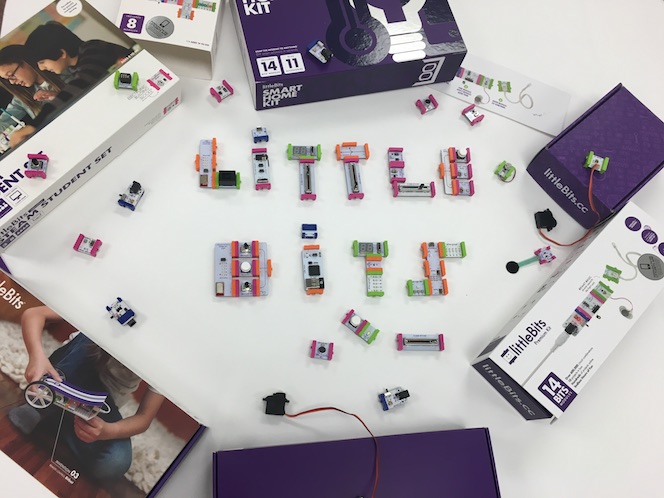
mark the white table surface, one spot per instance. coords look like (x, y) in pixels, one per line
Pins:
(219, 357)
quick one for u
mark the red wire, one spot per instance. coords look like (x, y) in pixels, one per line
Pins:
(592, 207)
(314, 410)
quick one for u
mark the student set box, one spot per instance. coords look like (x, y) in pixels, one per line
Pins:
(545, 355)
(618, 127)
(82, 134)
(181, 33)
(457, 463)
(374, 47)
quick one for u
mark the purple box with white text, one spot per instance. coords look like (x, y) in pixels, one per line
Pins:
(298, 52)
(619, 127)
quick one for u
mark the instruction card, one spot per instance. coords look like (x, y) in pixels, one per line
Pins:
(508, 93)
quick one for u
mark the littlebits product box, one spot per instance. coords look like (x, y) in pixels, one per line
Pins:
(546, 354)
(623, 135)
(183, 34)
(298, 52)
(88, 121)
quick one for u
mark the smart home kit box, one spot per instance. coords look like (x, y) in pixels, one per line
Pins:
(297, 52)
(81, 133)
(626, 139)
(181, 33)
(546, 354)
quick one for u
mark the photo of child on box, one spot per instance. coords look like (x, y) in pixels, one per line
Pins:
(51, 61)
(89, 423)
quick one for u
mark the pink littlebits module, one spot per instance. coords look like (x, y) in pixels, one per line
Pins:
(36, 165)
(321, 350)
(87, 245)
(472, 114)
(220, 92)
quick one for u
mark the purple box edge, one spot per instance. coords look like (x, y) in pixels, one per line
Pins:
(613, 198)
(178, 460)
(476, 456)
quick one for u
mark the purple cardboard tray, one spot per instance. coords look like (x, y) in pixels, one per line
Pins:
(457, 463)
(376, 46)
(619, 127)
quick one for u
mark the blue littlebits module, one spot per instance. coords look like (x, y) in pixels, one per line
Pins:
(132, 195)
(119, 311)
(309, 231)
(393, 398)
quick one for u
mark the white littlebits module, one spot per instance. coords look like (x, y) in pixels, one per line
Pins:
(546, 354)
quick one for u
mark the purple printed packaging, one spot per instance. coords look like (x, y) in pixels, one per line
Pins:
(618, 128)
(299, 52)
(556, 342)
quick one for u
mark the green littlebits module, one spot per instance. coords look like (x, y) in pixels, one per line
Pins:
(373, 253)
(125, 81)
(593, 161)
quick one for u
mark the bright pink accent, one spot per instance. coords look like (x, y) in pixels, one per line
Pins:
(420, 106)
(307, 160)
(153, 85)
(470, 171)
(38, 156)
(95, 248)
(308, 197)
(263, 186)
(399, 342)
(395, 189)
(312, 352)
(215, 94)
(225, 83)
(33, 174)
(256, 288)
(397, 180)
(356, 196)
(594, 294)
(433, 100)
(350, 159)
(397, 164)
(441, 342)
(476, 120)
(360, 327)
(78, 241)
(471, 186)
(166, 75)
(255, 270)
(347, 317)
(395, 149)
(258, 151)
(433, 189)
(467, 154)
(331, 350)
(468, 109)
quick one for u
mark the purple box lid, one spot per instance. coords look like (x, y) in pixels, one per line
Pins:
(619, 127)
(456, 463)
(351, 30)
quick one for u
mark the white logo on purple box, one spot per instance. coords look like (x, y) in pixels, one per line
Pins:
(557, 391)
(131, 23)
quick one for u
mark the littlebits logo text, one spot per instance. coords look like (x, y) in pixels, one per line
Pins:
(565, 190)
(256, 7)
(512, 352)
(10, 295)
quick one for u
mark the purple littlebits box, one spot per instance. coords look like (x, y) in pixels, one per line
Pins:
(619, 127)
(455, 463)
(297, 52)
